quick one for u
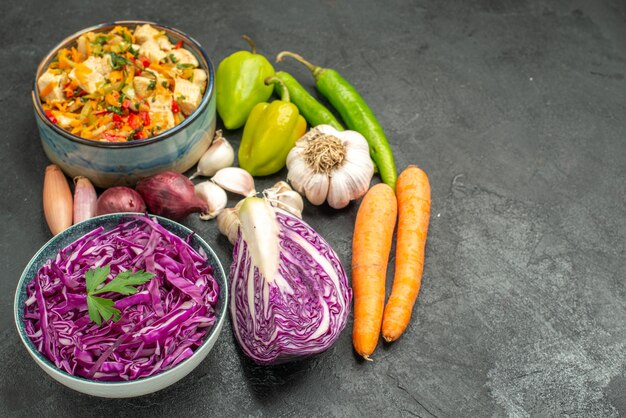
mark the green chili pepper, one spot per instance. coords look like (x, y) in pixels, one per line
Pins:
(355, 113)
(271, 131)
(313, 111)
(239, 84)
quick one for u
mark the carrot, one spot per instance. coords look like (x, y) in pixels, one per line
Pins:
(413, 191)
(373, 232)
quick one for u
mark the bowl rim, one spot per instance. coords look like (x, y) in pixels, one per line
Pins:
(208, 94)
(50, 368)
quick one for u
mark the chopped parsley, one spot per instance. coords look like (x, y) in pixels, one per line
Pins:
(118, 61)
(115, 109)
(184, 66)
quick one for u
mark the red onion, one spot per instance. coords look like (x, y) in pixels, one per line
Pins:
(170, 194)
(120, 199)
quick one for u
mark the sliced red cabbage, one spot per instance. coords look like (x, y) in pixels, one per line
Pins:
(289, 293)
(160, 325)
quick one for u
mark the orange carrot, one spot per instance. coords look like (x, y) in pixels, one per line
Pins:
(373, 232)
(413, 192)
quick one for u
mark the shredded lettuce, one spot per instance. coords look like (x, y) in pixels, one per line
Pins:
(160, 325)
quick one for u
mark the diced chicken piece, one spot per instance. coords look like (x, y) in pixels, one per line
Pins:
(161, 116)
(101, 65)
(89, 75)
(145, 33)
(164, 43)
(52, 85)
(81, 45)
(160, 79)
(188, 95)
(182, 56)
(150, 49)
(62, 120)
(142, 86)
(115, 40)
(199, 78)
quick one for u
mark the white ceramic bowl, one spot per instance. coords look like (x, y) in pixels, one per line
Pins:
(136, 387)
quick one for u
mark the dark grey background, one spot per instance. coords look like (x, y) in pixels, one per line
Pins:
(517, 111)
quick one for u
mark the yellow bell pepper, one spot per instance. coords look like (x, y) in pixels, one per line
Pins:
(271, 131)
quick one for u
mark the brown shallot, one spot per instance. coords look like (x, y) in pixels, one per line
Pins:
(85, 198)
(57, 200)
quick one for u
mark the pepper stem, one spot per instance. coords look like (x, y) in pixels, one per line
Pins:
(250, 42)
(315, 70)
(283, 91)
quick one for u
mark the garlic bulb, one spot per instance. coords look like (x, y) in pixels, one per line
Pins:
(283, 196)
(214, 196)
(219, 155)
(235, 180)
(330, 165)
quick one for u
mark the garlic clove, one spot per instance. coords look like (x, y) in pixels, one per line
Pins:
(282, 186)
(214, 196)
(235, 180)
(228, 223)
(281, 195)
(316, 188)
(299, 173)
(360, 168)
(219, 155)
(340, 189)
(354, 139)
(292, 202)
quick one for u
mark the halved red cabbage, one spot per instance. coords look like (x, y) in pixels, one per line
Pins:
(160, 325)
(289, 293)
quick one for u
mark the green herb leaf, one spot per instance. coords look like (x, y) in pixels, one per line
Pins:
(100, 40)
(184, 66)
(173, 58)
(118, 61)
(102, 308)
(152, 85)
(124, 283)
(94, 277)
(115, 109)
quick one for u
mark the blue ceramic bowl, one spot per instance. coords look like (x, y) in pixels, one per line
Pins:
(124, 163)
(135, 387)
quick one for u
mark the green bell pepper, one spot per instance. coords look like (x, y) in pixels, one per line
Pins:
(271, 131)
(239, 85)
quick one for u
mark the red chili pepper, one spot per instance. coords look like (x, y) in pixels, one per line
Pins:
(50, 116)
(145, 117)
(117, 120)
(113, 136)
(125, 104)
(69, 94)
(145, 62)
(179, 44)
(134, 121)
(139, 135)
(175, 107)
(137, 72)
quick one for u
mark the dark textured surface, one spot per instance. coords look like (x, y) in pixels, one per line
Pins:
(515, 109)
